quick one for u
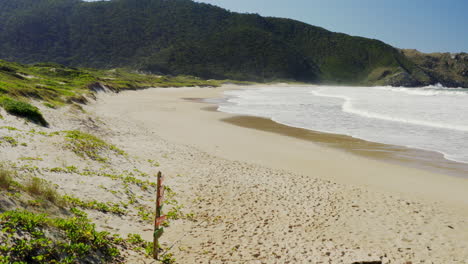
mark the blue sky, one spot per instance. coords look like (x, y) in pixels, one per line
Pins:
(426, 25)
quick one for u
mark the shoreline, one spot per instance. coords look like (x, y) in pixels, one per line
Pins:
(410, 157)
(429, 160)
(261, 197)
(187, 122)
(413, 157)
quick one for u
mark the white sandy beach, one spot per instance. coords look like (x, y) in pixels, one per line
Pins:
(167, 114)
(257, 196)
(277, 197)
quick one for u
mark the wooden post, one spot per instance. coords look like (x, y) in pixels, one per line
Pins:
(159, 219)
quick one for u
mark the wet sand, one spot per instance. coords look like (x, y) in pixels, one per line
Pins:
(415, 158)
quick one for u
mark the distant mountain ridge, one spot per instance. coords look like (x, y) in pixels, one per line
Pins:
(185, 37)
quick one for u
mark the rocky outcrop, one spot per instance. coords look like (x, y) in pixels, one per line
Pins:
(402, 79)
(448, 69)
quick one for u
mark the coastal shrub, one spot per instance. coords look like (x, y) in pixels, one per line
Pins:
(22, 109)
(87, 145)
(37, 238)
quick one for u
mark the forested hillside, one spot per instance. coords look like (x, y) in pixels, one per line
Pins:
(184, 37)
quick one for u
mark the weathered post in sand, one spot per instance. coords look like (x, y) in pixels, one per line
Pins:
(158, 219)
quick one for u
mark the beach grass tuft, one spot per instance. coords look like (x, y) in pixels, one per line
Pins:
(43, 189)
(6, 178)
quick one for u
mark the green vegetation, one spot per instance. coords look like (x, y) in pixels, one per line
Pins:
(185, 37)
(174, 212)
(9, 140)
(57, 84)
(153, 163)
(135, 239)
(145, 214)
(87, 145)
(451, 70)
(45, 233)
(126, 177)
(22, 109)
(9, 128)
(29, 237)
(95, 205)
(139, 244)
(6, 179)
(74, 239)
(39, 188)
(30, 158)
(68, 169)
(42, 189)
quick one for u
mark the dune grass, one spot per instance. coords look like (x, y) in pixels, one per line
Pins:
(6, 179)
(42, 189)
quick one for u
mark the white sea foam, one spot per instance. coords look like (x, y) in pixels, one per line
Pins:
(432, 118)
(433, 90)
(350, 108)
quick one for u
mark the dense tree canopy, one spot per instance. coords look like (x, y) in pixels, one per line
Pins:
(184, 37)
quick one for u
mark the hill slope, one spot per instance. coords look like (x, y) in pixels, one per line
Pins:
(184, 37)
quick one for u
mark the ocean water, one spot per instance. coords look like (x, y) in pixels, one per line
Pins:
(430, 118)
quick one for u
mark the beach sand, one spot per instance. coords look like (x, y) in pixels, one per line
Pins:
(263, 197)
(417, 158)
(251, 191)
